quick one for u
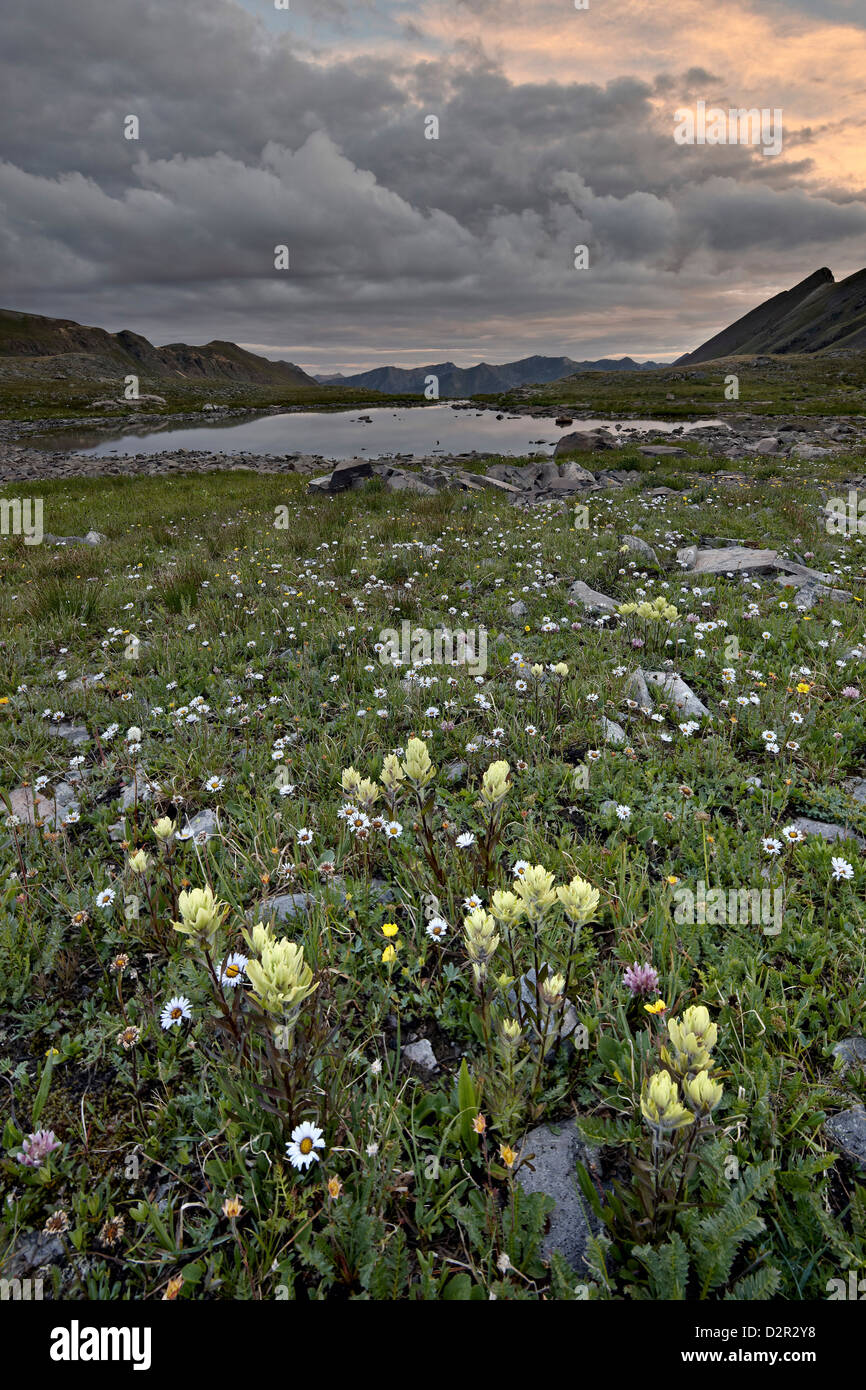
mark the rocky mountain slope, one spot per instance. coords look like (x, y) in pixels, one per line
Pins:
(817, 314)
(30, 337)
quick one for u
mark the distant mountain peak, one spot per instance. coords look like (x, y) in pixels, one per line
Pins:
(485, 378)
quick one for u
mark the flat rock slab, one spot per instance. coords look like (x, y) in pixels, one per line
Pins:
(728, 560)
(73, 733)
(740, 559)
(557, 1150)
(591, 599)
(203, 824)
(92, 538)
(62, 803)
(829, 832)
(847, 1132)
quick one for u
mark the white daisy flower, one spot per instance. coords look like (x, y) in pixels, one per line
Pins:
(233, 969)
(792, 834)
(175, 1011)
(301, 1148)
(304, 836)
(105, 898)
(465, 840)
(841, 868)
(437, 929)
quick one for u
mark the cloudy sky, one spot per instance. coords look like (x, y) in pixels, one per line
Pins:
(305, 127)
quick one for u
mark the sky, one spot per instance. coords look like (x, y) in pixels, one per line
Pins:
(261, 127)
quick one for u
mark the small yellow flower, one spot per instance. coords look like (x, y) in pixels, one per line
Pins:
(232, 1208)
(390, 929)
(803, 687)
(335, 1187)
(479, 1124)
(173, 1289)
(656, 1008)
(389, 955)
(672, 879)
(507, 1154)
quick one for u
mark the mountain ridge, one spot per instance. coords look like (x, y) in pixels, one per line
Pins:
(813, 316)
(25, 335)
(484, 378)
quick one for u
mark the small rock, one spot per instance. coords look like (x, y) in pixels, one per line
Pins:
(583, 442)
(637, 546)
(455, 772)
(852, 1054)
(32, 1250)
(54, 808)
(421, 1054)
(847, 1131)
(518, 609)
(138, 791)
(613, 733)
(856, 788)
(284, 907)
(343, 476)
(560, 1025)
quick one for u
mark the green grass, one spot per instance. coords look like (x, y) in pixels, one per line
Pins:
(274, 630)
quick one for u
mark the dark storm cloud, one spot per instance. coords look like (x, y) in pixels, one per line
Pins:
(249, 140)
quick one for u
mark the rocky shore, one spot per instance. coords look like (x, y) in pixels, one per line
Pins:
(739, 437)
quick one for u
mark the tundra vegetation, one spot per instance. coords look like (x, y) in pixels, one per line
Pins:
(297, 947)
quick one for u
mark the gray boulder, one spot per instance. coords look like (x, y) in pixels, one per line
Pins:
(556, 1151)
(847, 1132)
(682, 696)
